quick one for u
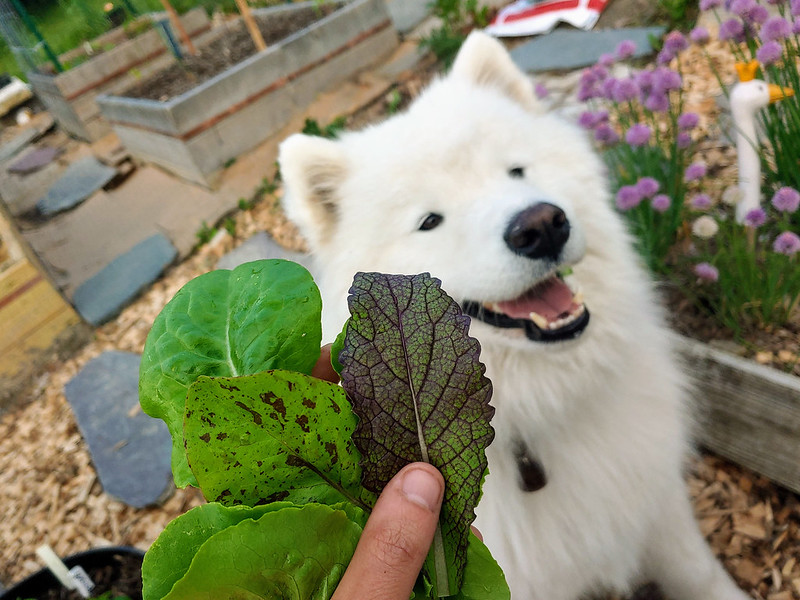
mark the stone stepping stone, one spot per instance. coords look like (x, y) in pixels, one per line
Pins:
(130, 450)
(107, 293)
(262, 246)
(16, 144)
(80, 180)
(34, 160)
(565, 49)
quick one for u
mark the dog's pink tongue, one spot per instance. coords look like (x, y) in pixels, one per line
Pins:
(550, 299)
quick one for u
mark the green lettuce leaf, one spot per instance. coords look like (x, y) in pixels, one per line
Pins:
(273, 436)
(262, 315)
(413, 375)
(170, 555)
(296, 553)
(483, 578)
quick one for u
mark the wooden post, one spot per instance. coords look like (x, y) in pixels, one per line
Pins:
(252, 27)
(176, 23)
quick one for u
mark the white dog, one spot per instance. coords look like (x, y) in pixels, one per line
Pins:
(476, 186)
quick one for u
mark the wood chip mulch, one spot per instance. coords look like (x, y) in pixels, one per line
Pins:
(50, 492)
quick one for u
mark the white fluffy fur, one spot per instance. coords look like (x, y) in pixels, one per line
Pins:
(604, 414)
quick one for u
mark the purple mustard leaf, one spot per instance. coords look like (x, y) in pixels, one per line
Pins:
(418, 388)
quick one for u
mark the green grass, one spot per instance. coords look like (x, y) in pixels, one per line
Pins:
(66, 24)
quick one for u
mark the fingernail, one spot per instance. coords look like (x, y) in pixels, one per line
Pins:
(422, 488)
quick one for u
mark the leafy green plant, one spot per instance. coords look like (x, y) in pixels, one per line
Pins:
(289, 463)
(230, 226)
(457, 18)
(205, 233)
(330, 131)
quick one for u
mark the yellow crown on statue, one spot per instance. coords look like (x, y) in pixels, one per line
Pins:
(747, 71)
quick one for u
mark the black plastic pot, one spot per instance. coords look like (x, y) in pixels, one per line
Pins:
(40, 583)
(116, 16)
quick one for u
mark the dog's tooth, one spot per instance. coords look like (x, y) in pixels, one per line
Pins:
(539, 320)
(577, 298)
(572, 283)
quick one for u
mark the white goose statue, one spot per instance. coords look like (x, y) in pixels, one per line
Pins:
(748, 97)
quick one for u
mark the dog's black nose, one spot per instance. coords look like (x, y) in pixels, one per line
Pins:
(539, 231)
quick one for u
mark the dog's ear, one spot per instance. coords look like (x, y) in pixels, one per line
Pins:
(485, 62)
(312, 169)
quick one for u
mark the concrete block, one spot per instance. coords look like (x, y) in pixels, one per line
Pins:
(407, 14)
(80, 180)
(166, 151)
(138, 111)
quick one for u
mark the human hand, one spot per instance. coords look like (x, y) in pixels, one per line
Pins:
(396, 538)
(399, 532)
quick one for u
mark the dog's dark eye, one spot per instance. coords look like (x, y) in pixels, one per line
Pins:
(431, 221)
(517, 172)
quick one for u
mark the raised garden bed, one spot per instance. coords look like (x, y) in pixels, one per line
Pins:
(197, 132)
(70, 96)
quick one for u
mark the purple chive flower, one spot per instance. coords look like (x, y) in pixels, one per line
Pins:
(661, 203)
(628, 197)
(688, 121)
(647, 187)
(638, 135)
(664, 57)
(694, 172)
(675, 42)
(606, 59)
(769, 53)
(644, 79)
(605, 134)
(758, 15)
(590, 120)
(657, 103)
(787, 243)
(626, 49)
(755, 218)
(796, 27)
(684, 140)
(706, 272)
(775, 28)
(541, 91)
(709, 4)
(795, 8)
(700, 36)
(665, 79)
(742, 8)
(701, 202)
(625, 90)
(786, 199)
(732, 29)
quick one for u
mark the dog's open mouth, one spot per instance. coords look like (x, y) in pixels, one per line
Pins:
(551, 311)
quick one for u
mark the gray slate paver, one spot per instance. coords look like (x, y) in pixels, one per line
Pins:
(130, 450)
(261, 246)
(107, 293)
(570, 49)
(34, 160)
(78, 182)
(18, 143)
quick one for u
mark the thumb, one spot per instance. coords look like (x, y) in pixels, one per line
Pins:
(396, 538)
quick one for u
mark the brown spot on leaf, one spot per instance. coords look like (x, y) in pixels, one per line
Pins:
(206, 437)
(335, 407)
(222, 436)
(222, 495)
(302, 421)
(255, 414)
(295, 461)
(330, 448)
(274, 402)
(276, 497)
(309, 403)
(230, 388)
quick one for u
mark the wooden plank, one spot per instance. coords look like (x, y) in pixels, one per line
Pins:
(32, 315)
(748, 413)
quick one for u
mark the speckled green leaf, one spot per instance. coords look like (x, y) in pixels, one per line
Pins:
(262, 315)
(297, 553)
(483, 578)
(269, 437)
(419, 390)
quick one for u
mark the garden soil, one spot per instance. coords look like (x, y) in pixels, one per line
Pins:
(51, 493)
(223, 53)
